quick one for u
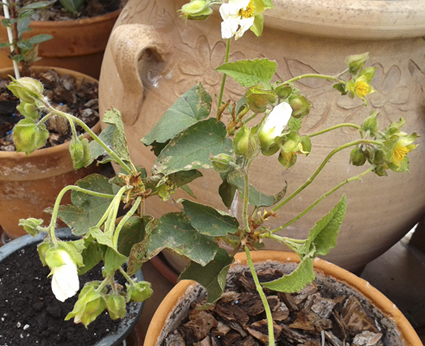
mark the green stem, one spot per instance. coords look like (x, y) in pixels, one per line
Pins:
(94, 136)
(110, 222)
(314, 75)
(333, 128)
(262, 296)
(58, 202)
(223, 81)
(102, 284)
(322, 165)
(357, 177)
(126, 276)
(124, 221)
(246, 199)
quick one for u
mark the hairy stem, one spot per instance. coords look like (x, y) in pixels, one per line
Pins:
(314, 75)
(124, 220)
(333, 128)
(223, 81)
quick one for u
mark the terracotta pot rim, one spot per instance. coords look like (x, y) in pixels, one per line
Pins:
(376, 297)
(56, 148)
(66, 23)
(363, 19)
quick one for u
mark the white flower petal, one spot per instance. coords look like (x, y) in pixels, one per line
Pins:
(245, 24)
(65, 281)
(277, 119)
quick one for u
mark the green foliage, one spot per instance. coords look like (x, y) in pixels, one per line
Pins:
(72, 6)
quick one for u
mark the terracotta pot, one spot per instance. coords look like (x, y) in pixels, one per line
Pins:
(176, 304)
(154, 56)
(127, 329)
(76, 45)
(30, 184)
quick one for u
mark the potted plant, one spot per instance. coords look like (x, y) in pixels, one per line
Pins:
(38, 178)
(79, 30)
(265, 121)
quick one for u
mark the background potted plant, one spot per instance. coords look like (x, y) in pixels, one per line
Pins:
(79, 30)
(265, 121)
(29, 184)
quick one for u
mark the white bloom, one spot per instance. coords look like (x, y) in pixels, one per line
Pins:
(65, 282)
(277, 120)
(238, 17)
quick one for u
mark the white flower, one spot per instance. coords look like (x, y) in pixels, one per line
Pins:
(65, 282)
(238, 17)
(277, 120)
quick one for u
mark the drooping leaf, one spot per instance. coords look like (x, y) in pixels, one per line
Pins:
(212, 276)
(190, 108)
(256, 197)
(133, 232)
(174, 232)
(86, 210)
(106, 136)
(193, 148)
(297, 280)
(322, 237)
(208, 220)
(113, 117)
(250, 72)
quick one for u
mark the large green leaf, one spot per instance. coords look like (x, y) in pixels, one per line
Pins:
(86, 210)
(212, 276)
(208, 220)
(193, 147)
(295, 281)
(190, 108)
(322, 237)
(256, 197)
(250, 72)
(133, 232)
(174, 232)
(113, 117)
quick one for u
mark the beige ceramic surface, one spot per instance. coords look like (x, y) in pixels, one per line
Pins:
(153, 57)
(29, 184)
(76, 45)
(162, 315)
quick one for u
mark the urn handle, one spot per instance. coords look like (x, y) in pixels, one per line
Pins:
(135, 49)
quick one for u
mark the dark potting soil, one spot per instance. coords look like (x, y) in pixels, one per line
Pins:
(31, 315)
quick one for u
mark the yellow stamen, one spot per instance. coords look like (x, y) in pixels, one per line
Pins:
(400, 153)
(248, 12)
(361, 88)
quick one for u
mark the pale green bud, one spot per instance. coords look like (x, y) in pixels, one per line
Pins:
(196, 10)
(27, 89)
(31, 225)
(356, 62)
(138, 291)
(221, 162)
(80, 152)
(300, 105)
(116, 306)
(29, 136)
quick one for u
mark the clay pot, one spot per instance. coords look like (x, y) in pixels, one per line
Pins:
(76, 45)
(176, 304)
(30, 184)
(154, 56)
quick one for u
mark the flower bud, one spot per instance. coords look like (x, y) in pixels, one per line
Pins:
(291, 143)
(305, 145)
(300, 105)
(29, 136)
(138, 291)
(28, 110)
(287, 159)
(116, 306)
(371, 124)
(31, 225)
(245, 143)
(27, 89)
(221, 162)
(356, 62)
(196, 10)
(80, 152)
(283, 91)
(258, 99)
(89, 305)
(357, 157)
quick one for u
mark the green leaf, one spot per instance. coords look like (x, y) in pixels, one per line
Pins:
(5, 44)
(133, 232)
(107, 137)
(208, 220)
(295, 124)
(92, 255)
(37, 5)
(23, 23)
(250, 72)
(40, 38)
(192, 148)
(7, 22)
(227, 193)
(212, 276)
(322, 237)
(190, 108)
(113, 260)
(86, 210)
(113, 117)
(256, 197)
(297, 280)
(170, 183)
(174, 232)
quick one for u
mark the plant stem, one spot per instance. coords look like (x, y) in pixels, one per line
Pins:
(322, 165)
(124, 220)
(357, 177)
(58, 201)
(314, 75)
(262, 296)
(333, 128)
(223, 81)
(245, 201)
(126, 276)
(110, 222)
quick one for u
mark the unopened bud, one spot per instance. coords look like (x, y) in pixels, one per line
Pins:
(283, 91)
(196, 10)
(221, 162)
(258, 99)
(31, 225)
(80, 152)
(139, 291)
(357, 157)
(300, 105)
(356, 62)
(27, 89)
(116, 306)
(29, 136)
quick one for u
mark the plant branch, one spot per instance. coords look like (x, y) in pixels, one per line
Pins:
(314, 75)
(333, 128)
(124, 220)
(223, 81)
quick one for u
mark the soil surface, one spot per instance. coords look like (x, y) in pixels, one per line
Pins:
(322, 314)
(64, 94)
(30, 314)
